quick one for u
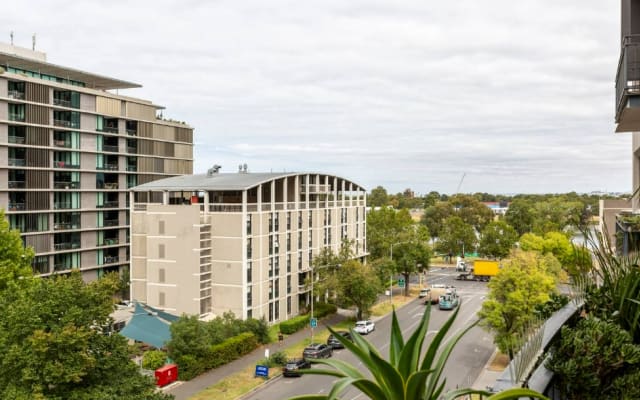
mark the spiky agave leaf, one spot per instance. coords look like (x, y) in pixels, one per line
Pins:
(397, 341)
(511, 394)
(410, 356)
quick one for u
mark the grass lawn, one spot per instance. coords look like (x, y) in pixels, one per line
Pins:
(385, 307)
(242, 382)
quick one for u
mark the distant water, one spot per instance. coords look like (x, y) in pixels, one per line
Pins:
(579, 238)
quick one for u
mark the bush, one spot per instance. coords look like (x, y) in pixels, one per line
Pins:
(294, 324)
(153, 359)
(277, 359)
(321, 310)
(260, 328)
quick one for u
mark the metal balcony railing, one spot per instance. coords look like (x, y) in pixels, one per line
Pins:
(628, 75)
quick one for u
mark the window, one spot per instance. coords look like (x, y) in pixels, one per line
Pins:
(249, 248)
(161, 251)
(161, 275)
(161, 227)
(277, 284)
(249, 224)
(276, 306)
(16, 112)
(249, 274)
(288, 241)
(299, 219)
(289, 305)
(288, 220)
(161, 299)
(289, 285)
(249, 297)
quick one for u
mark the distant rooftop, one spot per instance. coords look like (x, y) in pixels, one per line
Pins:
(217, 181)
(20, 58)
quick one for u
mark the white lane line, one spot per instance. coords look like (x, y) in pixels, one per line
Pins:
(417, 315)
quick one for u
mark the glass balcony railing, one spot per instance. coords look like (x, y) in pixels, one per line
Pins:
(65, 164)
(16, 139)
(109, 242)
(66, 185)
(16, 94)
(16, 117)
(16, 184)
(15, 206)
(61, 102)
(17, 162)
(111, 185)
(108, 167)
(111, 222)
(62, 143)
(66, 245)
(110, 148)
(108, 204)
(110, 259)
(62, 122)
(59, 226)
(61, 205)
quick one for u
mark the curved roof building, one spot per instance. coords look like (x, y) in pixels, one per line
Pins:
(241, 242)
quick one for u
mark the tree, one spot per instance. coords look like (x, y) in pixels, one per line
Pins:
(434, 217)
(412, 256)
(520, 215)
(524, 283)
(15, 259)
(497, 239)
(405, 374)
(472, 211)
(431, 199)
(378, 197)
(54, 344)
(358, 285)
(556, 243)
(456, 237)
(385, 227)
(596, 359)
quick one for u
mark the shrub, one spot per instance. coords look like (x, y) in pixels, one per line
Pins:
(259, 328)
(294, 324)
(153, 359)
(321, 310)
(277, 359)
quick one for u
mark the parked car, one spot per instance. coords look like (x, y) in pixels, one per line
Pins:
(424, 292)
(317, 350)
(365, 327)
(293, 367)
(335, 343)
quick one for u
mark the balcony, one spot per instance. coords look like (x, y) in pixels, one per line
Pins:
(16, 139)
(132, 150)
(108, 204)
(62, 102)
(62, 122)
(109, 242)
(62, 205)
(110, 259)
(132, 132)
(65, 164)
(108, 167)
(110, 148)
(110, 185)
(132, 168)
(13, 206)
(110, 222)
(627, 107)
(17, 162)
(61, 226)
(16, 94)
(62, 143)
(66, 245)
(16, 184)
(66, 185)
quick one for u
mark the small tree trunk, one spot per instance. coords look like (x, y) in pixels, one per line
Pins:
(406, 284)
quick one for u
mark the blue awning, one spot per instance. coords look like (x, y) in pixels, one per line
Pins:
(149, 325)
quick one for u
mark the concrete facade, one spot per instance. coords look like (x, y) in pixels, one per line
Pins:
(239, 242)
(69, 151)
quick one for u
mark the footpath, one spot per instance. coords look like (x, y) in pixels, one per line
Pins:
(184, 390)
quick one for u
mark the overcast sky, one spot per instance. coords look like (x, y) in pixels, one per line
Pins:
(517, 95)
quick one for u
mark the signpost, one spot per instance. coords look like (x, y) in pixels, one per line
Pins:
(401, 282)
(314, 322)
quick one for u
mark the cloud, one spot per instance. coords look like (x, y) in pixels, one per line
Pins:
(517, 95)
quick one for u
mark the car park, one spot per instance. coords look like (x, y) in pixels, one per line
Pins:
(293, 367)
(317, 350)
(335, 343)
(365, 327)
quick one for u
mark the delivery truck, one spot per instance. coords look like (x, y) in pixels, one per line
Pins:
(481, 270)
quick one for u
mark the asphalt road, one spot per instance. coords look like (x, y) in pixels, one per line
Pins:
(462, 368)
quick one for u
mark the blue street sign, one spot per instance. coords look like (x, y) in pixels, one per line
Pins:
(314, 322)
(262, 370)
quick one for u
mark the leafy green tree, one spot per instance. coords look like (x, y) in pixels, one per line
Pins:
(412, 256)
(520, 215)
(54, 346)
(15, 260)
(557, 214)
(406, 374)
(595, 360)
(525, 282)
(358, 285)
(497, 239)
(435, 216)
(456, 236)
(431, 199)
(385, 227)
(378, 197)
(558, 244)
(154, 359)
(472, 211)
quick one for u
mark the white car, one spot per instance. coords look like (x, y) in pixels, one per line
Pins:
(424, 292)
(365, 327)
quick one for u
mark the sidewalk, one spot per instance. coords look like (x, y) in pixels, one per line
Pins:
(487, 377)
(184, 390)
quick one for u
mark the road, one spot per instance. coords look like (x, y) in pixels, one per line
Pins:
(463, 367)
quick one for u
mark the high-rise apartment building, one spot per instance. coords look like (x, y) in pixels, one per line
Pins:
(69, 151)
(241, 242)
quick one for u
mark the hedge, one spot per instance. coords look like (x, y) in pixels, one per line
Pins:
(293, 325)
(190, 366)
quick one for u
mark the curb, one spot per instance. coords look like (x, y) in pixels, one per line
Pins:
(260, 386)
(484, 370)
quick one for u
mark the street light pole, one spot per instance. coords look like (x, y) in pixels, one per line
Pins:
(312, 298)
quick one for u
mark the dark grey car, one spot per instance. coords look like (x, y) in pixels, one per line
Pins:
(335, 343)
(317, 350)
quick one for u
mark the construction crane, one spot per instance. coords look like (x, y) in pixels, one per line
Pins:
(460, 184)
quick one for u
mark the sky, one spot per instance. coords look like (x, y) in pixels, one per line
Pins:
(516, 96)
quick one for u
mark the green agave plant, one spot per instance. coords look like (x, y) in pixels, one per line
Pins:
(404, 376)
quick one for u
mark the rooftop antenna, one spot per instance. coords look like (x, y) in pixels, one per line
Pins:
(11, 35)
(33, 42)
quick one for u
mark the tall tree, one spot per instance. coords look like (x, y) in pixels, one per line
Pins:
(412, 256)
(53, 345)
(520, 215)
(378, 197)
(472, 211)
(523, 283)
(385, 227)
(358, 285)
(456, 237)
(15, 259)
(497, 239)
(435, 215)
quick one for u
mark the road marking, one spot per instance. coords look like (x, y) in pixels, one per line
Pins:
(417, 315)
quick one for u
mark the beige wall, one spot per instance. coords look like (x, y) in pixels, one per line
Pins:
(608, 211)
